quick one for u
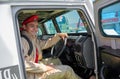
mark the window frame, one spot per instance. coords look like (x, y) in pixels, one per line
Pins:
(100, 23)
(68, 18)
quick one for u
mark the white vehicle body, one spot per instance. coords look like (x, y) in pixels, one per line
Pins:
(11, 58)
(10, 47)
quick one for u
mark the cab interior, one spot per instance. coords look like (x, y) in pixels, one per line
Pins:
(77, 50)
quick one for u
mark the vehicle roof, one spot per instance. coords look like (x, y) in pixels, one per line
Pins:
(42, 6)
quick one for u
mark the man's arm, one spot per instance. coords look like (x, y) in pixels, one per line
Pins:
(35, 67)
(52, 41)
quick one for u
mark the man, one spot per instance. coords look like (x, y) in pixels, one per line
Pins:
(38, 69)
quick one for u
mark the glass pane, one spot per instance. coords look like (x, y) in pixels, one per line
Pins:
(110, 18)
(39, 32)
(50, 27)
(70, 22)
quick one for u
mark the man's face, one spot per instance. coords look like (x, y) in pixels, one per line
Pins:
(32, 28)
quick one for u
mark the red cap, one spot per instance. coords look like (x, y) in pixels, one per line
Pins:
(30, 19)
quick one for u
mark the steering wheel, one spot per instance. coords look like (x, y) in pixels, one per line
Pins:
(58, 48)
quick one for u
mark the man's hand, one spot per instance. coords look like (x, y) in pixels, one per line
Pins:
(63, 35)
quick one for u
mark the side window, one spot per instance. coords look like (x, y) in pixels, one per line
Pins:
(110, 20)
(39, 33)
(70, 22)
(49, 26)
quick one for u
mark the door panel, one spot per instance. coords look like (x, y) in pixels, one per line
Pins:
(107, 23)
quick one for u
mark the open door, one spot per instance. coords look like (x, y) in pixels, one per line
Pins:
(107, 24)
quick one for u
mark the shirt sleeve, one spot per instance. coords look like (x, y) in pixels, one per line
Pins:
(51, 41)
(35, 67)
